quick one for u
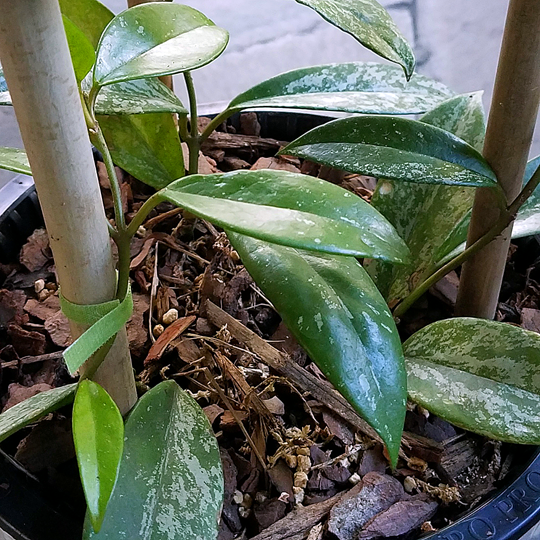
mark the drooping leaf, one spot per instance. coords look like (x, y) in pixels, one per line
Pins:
(145, 145)
(98, 434)
(14, 159)
(90, 16)
(156, 39)
(170, 483)
(481, 375)
(369, 23)
(291, 209)
(423, 215)
(138, 97)
(527, 222)
(336, 313)
(358, 87)
(395, 148)
(32, 409)
(80, 48)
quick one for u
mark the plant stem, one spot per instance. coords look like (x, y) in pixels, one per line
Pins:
(509, 133)
(505, 219)
(192, 141)
(142, 213)
(216, 121)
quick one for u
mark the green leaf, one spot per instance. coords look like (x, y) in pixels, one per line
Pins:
(90, 16)
(82, 51)
(290, 209)
(356, 87)
(336, 313)
(138, 97)
(370, 24)
(156, 39)
(423, 215)
(14, 159)
(98, 434)
(147, 146)
(32, 409)
(395, 148)
(480, 375)
(170, 483)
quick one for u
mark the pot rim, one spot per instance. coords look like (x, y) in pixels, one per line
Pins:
(507, 515)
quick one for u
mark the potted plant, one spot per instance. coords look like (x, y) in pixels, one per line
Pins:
(344, 323)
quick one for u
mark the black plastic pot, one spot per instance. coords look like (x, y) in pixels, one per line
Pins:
(26, 510)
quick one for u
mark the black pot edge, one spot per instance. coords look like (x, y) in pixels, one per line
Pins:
(508, 515)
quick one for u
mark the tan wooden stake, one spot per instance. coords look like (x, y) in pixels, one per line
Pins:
(510, 129)
(39, 73)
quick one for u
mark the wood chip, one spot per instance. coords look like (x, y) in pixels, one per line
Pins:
(25, 342)
(36, 253)
(530, 319)
(11, 307)
(170, 333)
(59, 330)
(17, 393)
(43, 310)
(136, 330)
(274, 163)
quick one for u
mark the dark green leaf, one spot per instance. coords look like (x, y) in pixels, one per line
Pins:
(170, 483)
(98, 434)
(291, 209)
(80, 48)
(156, 39)
(138, 97)
(369, 23)
(145, 145)
(423, 215)
(32, 409)
(480, 375)
(354, 87)
(395, 148)
(89, 15)
(336, 313)
(14, 159)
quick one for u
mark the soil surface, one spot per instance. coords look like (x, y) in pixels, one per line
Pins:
(298, 462)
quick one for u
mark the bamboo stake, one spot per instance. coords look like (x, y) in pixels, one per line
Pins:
(38, 69)
(509, 134)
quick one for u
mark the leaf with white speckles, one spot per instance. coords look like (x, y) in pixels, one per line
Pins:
(290, 209)
(395, 148)
(98, 434)
(369, 23)
(170, 484)
(357, 87)
(156, 39)
(337, 314)
(14, 159)
(147, 146)
(32, 409)
(424, 215)
(481, 375)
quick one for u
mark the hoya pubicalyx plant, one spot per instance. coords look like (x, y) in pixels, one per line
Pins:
(288, 228)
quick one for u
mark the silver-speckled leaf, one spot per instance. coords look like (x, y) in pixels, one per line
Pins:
(394, 148)
(356, 87)
(34, 408)
(170, 483)
(14, 159)
(337, 314)
(369, 23)
(424, 214)
(480, 375)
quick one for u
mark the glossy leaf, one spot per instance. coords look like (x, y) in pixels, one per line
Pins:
(336, 313)
(170, 483)
(14, 159)
(370, 24)
(90, 16)
(138, 97)
(32, 409)
(80, 48)
(480, 375)
(423, 215)
(353, 87)
(395, 148)
(156, 39)
(147, 146)
(98, 434)
(290, 209)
